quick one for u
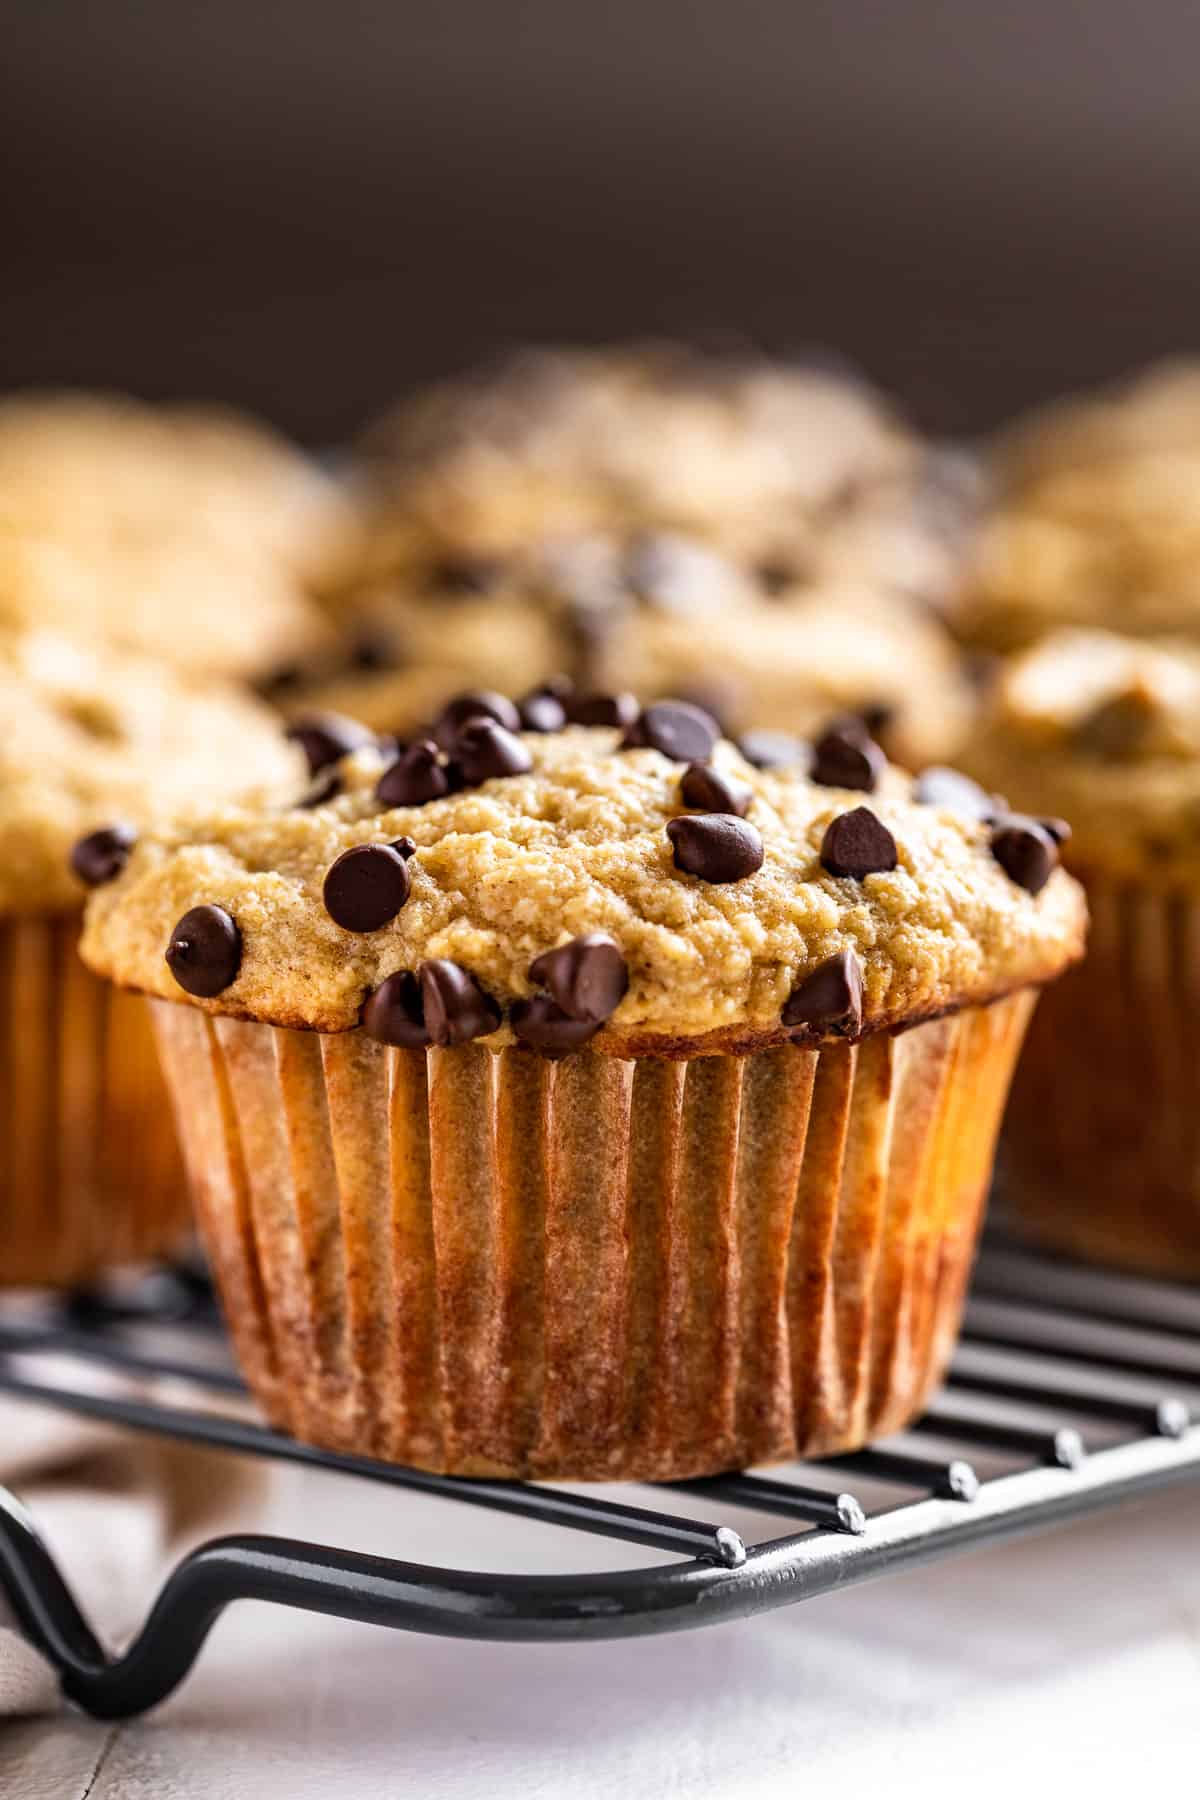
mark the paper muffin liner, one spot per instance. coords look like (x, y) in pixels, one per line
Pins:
(90, 1174)
(1102, 1145)
(484, 1262)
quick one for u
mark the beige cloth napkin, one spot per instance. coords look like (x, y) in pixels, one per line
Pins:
(117, 1510)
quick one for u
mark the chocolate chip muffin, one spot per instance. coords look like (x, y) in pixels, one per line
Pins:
(587, 1101)
(1096, 522)
(98, 744)
(120, 522)
(1104, 1142)
(657, 613)
(798, 466)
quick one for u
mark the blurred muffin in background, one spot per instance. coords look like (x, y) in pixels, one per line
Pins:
(99, 745)
(191, 534)
(799, 471)
(1096, 520)
(651, 614)
(1104, 1129)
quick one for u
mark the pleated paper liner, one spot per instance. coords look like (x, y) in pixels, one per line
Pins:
(1102, 1148)
(488, 1263)
(90, 1175)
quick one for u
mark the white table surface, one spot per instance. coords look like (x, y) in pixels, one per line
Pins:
(1031, 1664)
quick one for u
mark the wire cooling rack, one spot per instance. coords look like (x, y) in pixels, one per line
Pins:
(1071, 1390)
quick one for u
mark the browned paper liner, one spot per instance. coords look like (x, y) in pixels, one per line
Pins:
(90, 1175)
(1102, 1148)
(488, 1263)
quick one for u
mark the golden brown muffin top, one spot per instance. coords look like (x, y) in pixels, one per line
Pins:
(642, 881)
(1097, 522)
(1105, 730)
(186, 533)
(95, 737)
(784, 465)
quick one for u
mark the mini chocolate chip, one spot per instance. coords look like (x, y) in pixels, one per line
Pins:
(877, 716)
(484, 750)
(465, 575)
(480, 704)
(283, 680)
(602, 709)
(454, 1007)
(542, 712)
(831, 995)
(415, 778)
(587, 978)
(405, 846)
(326, 737)
(545, 1027)
(366, 887)
(715, 846)
(774, 750)
(937, 786)
(205, 951)
(373, 651)
(1058, 829)
(705, 789)
(858, 844)
(1025, 851)
(776, 576)
(327, 786)
(392, 1014)
(845, 756)
(101, 855)
(682, 732)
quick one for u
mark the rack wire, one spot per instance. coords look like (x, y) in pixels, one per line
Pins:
(1077, 1389)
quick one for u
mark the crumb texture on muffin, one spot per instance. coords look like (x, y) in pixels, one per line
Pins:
(96, 737)
(569, 839)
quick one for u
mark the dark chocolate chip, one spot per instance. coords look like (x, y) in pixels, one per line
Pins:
(602, 709)
(845, 756)
(830, 996)
(545, 1027)
(542, 712)
(101, 855)
(1025, 851)
(705, 789)
(877, 716)
(405, 846)
(454, 1007)
(715, 846)
(682, 732)
(326, 737)
(327, 786)
(469, 576)
(721, 700)
(373, 651)
(416, 777)
(957, 793)
(205, 951)
(587, 978)
(392, 1014)
(775, 750)
(484, 750)
(858, 844)
(479, 704)
(776, 576)
(366, 887)
(1058, 829)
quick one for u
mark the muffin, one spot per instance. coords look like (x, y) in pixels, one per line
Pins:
(800, 466)
(1104, 1140)
(590, 1102)
(658, 613)
(1096, 521)
(98, 744)
(119, 521)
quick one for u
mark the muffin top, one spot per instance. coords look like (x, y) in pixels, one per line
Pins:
(1106, 730)
(187, 534)
(639, 884)
(97, 738)
(798, 467)
(1097, 520)
(662, 613)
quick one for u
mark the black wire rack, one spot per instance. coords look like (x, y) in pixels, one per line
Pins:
(1071, 1390)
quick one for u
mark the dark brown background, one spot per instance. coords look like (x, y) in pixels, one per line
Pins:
(303, 206)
